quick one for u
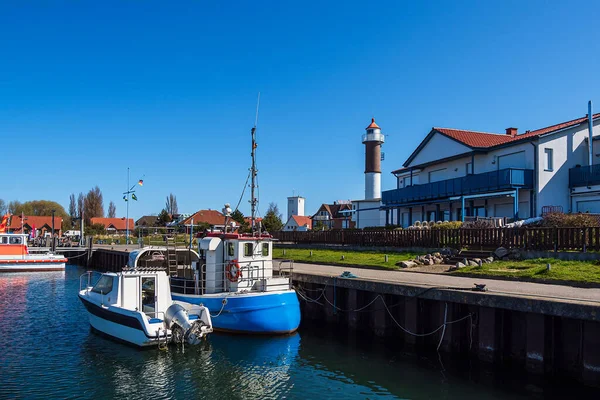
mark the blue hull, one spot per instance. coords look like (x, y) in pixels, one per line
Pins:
(262, 313)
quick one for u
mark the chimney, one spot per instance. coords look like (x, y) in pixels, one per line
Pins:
(511, 132)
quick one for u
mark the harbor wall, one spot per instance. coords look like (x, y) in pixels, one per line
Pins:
(555, 340)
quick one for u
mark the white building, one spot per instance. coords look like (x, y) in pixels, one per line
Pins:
(295, 206)
(456, 173)
(298, 223)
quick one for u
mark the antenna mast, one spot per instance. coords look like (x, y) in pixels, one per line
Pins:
(253, 170)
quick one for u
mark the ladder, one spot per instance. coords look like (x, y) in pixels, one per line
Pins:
(171, 256)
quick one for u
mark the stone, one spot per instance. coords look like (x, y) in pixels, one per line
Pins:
(429, 262)
(407, 264)
(473, 263)
(489, 260)
(501, 252)
(459, 265)
(436, 255)
(477, 260)
(438, 260)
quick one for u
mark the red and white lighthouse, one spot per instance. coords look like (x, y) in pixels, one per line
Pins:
(373, 140)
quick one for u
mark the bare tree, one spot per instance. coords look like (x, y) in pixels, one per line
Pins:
(14, 206)
(3, 207)
(93, 205)
(112, 210)
(72, 206)
(80, 204)
(171, 204)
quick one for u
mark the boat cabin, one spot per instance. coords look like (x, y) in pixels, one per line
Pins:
(13, 244)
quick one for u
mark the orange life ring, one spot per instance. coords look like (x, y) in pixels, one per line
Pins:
(233, 271)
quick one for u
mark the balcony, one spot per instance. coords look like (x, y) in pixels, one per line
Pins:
(504, 179)
(320, 218)
(584, 176)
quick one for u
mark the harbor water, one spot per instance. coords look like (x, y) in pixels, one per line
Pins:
(49, 352)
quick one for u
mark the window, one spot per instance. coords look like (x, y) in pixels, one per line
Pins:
(15, 240)
(265, 249)
(247, 249)
(104, 285)
(549, 162)
(230, 250)
(446, 215)
(430, 215)
(4, 240)
(469, 168)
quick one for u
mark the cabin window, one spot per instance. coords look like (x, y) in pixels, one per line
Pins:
(4, 240)
(265, 249)
(15, 240)
(248, 249)
(104, 285)
(230, 250)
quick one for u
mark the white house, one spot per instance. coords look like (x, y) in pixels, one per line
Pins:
(455, 173)
(298, 223)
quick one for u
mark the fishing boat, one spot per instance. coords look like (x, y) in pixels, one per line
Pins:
(233, 275)
(15, 257)
(135, 306)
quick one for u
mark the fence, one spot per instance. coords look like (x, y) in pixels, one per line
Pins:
(549, 239)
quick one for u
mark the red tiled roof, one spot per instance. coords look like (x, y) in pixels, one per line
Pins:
(486, 139)
(118, 223)
(249, 219)
(302, 220)
(373, 125)
(34, 220)
(211, 217)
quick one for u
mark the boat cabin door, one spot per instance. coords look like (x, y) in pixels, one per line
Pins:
(148, 295)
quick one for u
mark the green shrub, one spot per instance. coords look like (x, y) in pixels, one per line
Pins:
(578, 220)
(448, 225)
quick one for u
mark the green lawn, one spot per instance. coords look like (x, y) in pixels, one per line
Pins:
(358, 258)
(576, 271)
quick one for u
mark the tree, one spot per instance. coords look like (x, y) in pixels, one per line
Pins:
(95, 229)
(238, 217)
(112, 210)
(37, 208)
(13, 206)
(163, 218)
(3, 207)
(93, 205)
(72, 206)
(80, 203)
(171, 204)
(272, 220)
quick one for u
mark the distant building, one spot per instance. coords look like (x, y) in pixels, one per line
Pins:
(298, 223)
(42, 224)
(214, 218)
(146, 221)
(295, 206)
(334, 216)
(114, 225)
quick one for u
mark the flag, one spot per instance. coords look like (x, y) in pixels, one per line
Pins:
(33, 231)
(125, 197)
(5, 222)
(133, 196)
(141, 182)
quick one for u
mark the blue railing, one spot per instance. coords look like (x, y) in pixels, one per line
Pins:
(584, 176)
(503, 179)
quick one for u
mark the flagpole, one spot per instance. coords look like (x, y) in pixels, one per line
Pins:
(127, 216)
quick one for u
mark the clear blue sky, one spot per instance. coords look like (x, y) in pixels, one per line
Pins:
(89, 88)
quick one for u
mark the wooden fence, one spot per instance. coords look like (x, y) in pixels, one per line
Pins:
(549, 239)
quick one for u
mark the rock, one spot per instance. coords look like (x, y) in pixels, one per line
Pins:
(429, 262)
(489, 260)
(473, 264)
(459, 265)
(438, 260)
(501, 252)
(436, 255)
(407, 264)
(477, 260)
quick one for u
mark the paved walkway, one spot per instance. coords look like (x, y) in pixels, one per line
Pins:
(494, 286)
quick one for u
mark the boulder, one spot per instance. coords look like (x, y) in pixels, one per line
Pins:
(500, 252)
(438, 260)
(430, 262)
(489, 260)
(473, 263)
(407, 264)
(436, 255)
(459, 265)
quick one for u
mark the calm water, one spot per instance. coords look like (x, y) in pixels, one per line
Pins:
(48, 351)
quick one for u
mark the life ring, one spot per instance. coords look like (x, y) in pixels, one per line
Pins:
(233, 271)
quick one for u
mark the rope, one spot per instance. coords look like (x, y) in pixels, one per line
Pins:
(223, 302)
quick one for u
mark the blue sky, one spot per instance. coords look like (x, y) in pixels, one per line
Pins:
(169, 89)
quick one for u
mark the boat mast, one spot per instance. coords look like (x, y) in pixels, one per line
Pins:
(254, 171)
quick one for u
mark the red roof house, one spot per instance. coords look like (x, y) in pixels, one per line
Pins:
(42, 224)
(114, 225)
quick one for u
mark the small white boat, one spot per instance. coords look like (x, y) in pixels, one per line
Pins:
(135, 306)
(15, 257)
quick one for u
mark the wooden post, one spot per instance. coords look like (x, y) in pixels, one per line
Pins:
(89, 252)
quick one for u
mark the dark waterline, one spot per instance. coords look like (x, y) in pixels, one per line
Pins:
(49, 352)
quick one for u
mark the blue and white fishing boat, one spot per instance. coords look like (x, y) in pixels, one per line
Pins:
(233, 275)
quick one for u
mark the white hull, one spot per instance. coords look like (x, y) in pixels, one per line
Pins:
(121, 332)
(24, 266)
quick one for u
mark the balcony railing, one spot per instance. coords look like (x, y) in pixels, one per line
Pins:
(320, 218)
(584, 176)
(504, 179)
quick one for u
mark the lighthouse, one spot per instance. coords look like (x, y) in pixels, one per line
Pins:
(373, 140)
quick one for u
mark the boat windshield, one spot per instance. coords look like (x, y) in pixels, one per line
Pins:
(104, 285)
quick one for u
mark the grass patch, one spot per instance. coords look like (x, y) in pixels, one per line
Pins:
(355, 258)
(575, 271)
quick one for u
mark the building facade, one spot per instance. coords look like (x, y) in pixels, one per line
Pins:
(298, 223)
(334, 216)
(455, 174)
(295, 206)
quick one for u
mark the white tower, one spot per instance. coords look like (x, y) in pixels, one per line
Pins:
(295, 206)
(373, 140)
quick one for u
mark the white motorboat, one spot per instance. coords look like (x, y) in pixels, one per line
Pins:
(135, 306)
